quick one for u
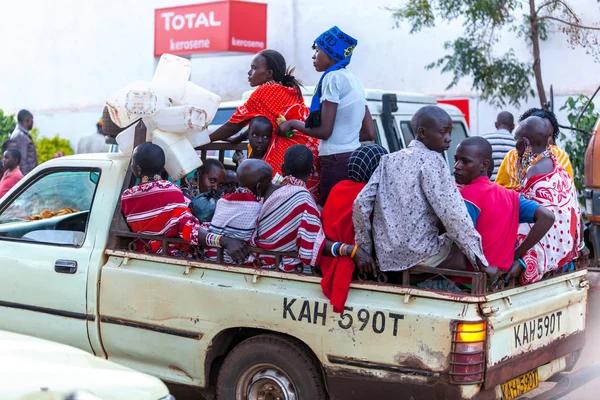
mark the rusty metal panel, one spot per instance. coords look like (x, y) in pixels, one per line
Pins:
(391, 334)
(542, 317)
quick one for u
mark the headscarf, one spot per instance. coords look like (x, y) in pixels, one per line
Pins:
(364, 161)
(339, 46)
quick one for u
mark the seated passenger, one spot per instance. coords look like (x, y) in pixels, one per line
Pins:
(508, 174)
(12, 174)
(496, 211)
(409, 193)
(206, 190)
(236, 214)
(157, 207)
(259, 134)
(337, 223)
(549, 184)
(231, 182)
(290, 220)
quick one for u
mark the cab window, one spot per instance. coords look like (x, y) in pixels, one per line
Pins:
(53, 209)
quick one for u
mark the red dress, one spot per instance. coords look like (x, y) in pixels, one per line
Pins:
(273, 100)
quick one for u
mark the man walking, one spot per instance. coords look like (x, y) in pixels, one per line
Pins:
(25, 145)
(502, 140)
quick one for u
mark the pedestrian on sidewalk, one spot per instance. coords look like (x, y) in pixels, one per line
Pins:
(25, 145)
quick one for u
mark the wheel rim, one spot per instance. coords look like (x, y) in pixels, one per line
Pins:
(265, 382)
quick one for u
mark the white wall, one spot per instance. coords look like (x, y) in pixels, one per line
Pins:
(62, 58)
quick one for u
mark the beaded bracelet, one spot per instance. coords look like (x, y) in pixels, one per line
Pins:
(582, 245)
(334, 250)
(354, 251)
(213, 240)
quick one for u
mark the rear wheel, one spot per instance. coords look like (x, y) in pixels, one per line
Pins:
(270, 367)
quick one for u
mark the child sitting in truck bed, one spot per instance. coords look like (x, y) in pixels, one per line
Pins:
(259, 134)
(157, 207)
(236, 214)
(206, 190)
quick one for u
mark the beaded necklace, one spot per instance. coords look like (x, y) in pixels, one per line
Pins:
(292, 180)
(146, 179)
(528, 159)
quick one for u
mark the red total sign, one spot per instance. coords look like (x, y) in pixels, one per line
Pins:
(217, 27)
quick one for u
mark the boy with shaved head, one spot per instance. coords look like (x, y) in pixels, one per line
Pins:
(408, 195)
(497, 212)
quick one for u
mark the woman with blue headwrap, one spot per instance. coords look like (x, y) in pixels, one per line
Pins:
(338, 113)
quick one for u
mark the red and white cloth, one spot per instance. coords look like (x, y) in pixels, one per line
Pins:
(290, 221)
(159, 208)
(556, 192)
(271, 101)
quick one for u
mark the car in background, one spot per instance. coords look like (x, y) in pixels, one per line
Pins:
(37, 369)
(391, 112)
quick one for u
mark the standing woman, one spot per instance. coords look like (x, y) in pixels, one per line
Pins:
(339, 115)
(278, 95)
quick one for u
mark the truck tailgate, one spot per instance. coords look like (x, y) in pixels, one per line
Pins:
(531, 325)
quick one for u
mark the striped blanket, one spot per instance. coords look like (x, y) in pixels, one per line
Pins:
(236, 216)
(290, 221)
(159, 208)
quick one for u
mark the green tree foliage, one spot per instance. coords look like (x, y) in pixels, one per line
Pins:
(47, 147)
(8, 124)
(500, 79)
(576, 144)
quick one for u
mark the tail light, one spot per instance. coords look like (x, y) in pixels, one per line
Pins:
(467, 363)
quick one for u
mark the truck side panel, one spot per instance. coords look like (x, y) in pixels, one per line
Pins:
(158, 318)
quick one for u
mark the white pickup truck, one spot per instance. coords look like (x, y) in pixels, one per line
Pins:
(69, 274)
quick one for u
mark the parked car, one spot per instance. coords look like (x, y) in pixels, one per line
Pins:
(391, 112)
(33, 368)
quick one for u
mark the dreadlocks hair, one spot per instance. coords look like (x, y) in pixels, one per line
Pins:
(545, 114)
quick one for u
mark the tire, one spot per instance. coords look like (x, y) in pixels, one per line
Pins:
(271, 367)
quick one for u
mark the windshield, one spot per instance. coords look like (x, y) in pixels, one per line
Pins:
(223, 115)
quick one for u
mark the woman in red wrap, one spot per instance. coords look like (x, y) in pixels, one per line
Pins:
(338, 226)
(278, 97)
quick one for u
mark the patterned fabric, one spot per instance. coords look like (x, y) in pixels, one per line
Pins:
(290, 221)
(159, 208)
(272, 101)
(556, 192)
(339, 46)
(507, 174)
(236, 216)
(364, 161)
(409, 193)
(338, 227)
(502, 142)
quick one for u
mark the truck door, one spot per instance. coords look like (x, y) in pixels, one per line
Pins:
(46, 239)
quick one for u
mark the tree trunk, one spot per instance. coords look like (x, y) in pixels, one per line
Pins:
(535, 40)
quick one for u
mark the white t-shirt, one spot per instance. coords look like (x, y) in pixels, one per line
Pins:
(343, 88)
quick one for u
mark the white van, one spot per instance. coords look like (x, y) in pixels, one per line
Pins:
(391, 113)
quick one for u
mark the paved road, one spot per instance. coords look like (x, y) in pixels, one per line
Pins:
(589, 358)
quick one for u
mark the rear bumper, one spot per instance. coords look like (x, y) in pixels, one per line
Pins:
(549, 360)
(515, 366)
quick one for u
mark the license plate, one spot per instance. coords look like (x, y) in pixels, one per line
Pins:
(520, 385)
